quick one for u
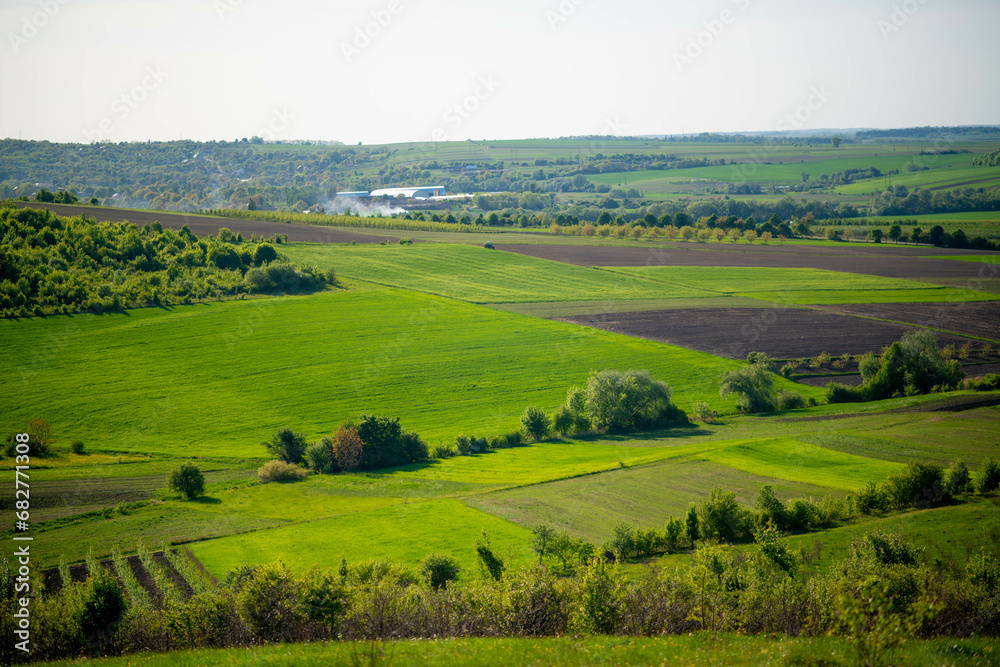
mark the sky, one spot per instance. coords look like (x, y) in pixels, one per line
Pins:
(384, 71)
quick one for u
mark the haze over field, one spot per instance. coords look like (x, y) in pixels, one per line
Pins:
(397, 70)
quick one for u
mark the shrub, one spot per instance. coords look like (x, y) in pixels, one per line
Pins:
(102, 608)
(187, 480)
(620, 401)
(438, 569)
(319, 455)
(787, 371)
(269, 603)
(535, 423)
(286, 445)
(989, 382)
(77, 447)
(957, 479)
(841, 393)
(672, 532)
(919, 484)
(443, 450)
(989, 476)
(723, 518)
(280, 471)
(704, 413)
(802, 515)
(385, 443)
(771, 509)
(752, 385)
(789, 400)
(761, 359)
(871, 499)
(347, 448)
(622, 541)
(563, 420)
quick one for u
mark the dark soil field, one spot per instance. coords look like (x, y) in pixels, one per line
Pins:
(202, 225)
(783, 333)
(875, 260)
(980, 319)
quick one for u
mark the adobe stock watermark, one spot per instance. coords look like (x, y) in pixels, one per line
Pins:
(562, 13)
(704, 39)
(223, 7)
(366, 34)
(281, 120)
(34, 23)
(899, 17)
(127, 103)
(794, 120)
(459, 112)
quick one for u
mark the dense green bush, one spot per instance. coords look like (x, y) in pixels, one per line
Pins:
(287, 445)
(280, 471)
(629, 400)
(918, 485)
(187, 480)
(752, 385)
(52, 264)
(319, 456)
(913, 365)
(534, 423)
(989, 477)
(386, 444)
(438, 569)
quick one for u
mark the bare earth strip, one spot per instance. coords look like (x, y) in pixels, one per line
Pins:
(887, 261)
(782, 333)
(202, 225)
(980, 318)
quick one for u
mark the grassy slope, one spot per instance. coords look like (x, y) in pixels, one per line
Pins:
(406, 532)
(480, 275)
(801, 286)
(217, 379)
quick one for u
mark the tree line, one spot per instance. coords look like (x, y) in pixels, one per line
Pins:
(51, 264)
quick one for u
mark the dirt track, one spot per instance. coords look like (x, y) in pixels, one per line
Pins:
(202, 225)
(884, 260)
(783, 333)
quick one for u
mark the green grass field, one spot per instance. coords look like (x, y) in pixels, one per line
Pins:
(480, 275)
(697, 650)
(943, 175)
(802, 286)
(405, 532)
(218, 379)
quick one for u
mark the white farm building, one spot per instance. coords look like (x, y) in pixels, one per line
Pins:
(411, 193)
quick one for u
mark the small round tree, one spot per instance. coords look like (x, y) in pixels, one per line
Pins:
(187, 480)
(535, 423)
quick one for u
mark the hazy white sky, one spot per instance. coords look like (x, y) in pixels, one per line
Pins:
(80, 70)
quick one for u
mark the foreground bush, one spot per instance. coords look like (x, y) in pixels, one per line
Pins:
(280, 471)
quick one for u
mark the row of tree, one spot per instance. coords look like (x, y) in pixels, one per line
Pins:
(52, 264)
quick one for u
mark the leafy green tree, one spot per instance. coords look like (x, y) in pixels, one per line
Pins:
(989, 476)
(286, 445)
(264, 253)
(187, 480)
(771, 509)
(490, 564)
(692, 525)
(623, 540)
(936, 236)
(957, 479)
(895, 233)
(101, 611)
(876, 235)
(621, 401)
(753, 387)
(319, 456)
(535, 423)
(723, 518)
(542, 537)
(835, 141)
(672, 532)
